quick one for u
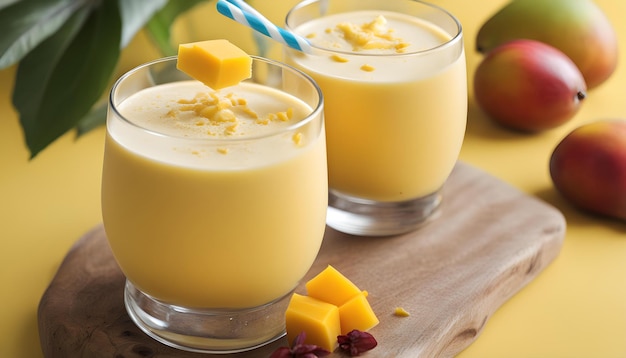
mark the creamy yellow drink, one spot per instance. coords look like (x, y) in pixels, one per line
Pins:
(214, 199)
(396, 101)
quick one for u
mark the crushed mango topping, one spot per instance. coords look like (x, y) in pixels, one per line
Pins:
(338, 58)
(297, 138)
(371, 35)
(368, 68)
(225, 112)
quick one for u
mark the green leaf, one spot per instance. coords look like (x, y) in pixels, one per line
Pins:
(135, 14)
(60, 80)
(5, 3)
(35, 70)
(159, 26)
(25, 24)
(95, 118)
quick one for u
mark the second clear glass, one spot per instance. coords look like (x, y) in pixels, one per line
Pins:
(395, 117)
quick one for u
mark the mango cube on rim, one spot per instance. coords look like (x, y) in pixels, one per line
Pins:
(216, 63)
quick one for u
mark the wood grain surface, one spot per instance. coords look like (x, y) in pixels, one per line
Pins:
(451, 276)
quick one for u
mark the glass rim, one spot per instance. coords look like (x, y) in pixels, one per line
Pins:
(453, 40)
(315, 112)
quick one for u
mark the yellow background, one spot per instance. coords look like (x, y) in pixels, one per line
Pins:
(575, 308)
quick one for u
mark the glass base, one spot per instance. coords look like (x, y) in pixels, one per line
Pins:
(363, 217)
(217, 331)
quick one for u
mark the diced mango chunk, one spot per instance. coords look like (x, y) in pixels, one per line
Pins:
(333, 306)
(216, 63)
(318, 319)
(357, 314)
(332, 287)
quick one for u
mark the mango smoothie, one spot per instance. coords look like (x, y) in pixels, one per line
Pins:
(396, 101)
(214, 199)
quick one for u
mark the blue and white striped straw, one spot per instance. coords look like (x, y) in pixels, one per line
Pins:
(244, 14)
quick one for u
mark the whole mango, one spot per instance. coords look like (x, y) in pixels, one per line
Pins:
(588, 167)
(529, 86)
(578, 28)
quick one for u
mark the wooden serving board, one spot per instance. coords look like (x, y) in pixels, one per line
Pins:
(451, 276)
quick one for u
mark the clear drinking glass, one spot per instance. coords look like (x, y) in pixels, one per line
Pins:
(395, 106)
(214, 221)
